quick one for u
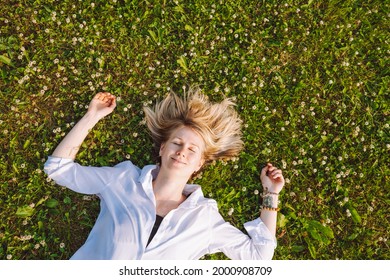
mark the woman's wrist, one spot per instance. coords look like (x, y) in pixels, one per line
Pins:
(270, 200)
(70, 145)
(91, 119)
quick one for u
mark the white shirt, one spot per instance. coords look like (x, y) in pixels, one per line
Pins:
(128, 212)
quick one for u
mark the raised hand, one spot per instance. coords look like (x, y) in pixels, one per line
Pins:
(102, 104)
(272, 178)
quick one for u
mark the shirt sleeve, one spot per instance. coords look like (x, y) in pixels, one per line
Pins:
(81, 179)
(258, 244)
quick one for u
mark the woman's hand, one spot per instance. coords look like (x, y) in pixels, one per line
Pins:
(272, 178)
(102, 105)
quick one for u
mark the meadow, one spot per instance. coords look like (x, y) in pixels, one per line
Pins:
(311, 83)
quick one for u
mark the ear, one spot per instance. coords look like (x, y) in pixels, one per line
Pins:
(161, 148)
(202, 161)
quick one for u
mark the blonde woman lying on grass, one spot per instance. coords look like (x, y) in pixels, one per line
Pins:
(152, 212)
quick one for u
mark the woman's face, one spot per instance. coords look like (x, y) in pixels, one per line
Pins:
(183, 152)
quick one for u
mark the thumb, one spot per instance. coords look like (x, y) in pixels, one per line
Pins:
(113, 103)
(264, 171)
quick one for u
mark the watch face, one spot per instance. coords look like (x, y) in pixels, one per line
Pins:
(268, 201)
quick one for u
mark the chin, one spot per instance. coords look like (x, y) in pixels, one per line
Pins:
(177, 170)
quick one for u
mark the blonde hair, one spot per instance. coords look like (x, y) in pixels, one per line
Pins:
(217, 123)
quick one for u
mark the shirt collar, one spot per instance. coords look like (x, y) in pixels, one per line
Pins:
(193, 191)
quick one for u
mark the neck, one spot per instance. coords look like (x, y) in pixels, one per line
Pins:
(167, 187)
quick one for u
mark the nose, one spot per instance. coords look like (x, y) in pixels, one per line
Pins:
(180, 153)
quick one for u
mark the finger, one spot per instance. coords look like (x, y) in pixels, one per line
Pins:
(102, 97)
(113, 102)
(110, 101)
(107, 98)
(98, 95)
(271, 171)
(276, 170)
(279, 172)
(277, 176)
(102, 94)
(264, 170)
(272, 168)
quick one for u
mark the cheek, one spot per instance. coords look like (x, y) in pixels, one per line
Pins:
(198, 160)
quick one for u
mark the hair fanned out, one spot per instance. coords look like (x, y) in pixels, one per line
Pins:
(217, 123)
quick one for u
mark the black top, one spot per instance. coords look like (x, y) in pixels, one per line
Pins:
(155, 228)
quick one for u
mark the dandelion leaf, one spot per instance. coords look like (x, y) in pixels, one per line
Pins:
(24, 211)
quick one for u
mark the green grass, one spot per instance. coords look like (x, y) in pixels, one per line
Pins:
(310, 79)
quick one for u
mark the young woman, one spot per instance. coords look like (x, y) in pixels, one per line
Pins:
(152, 213)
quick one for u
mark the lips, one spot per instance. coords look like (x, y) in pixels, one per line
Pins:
(177, 160)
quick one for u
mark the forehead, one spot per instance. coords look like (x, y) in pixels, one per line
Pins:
(188, 134)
